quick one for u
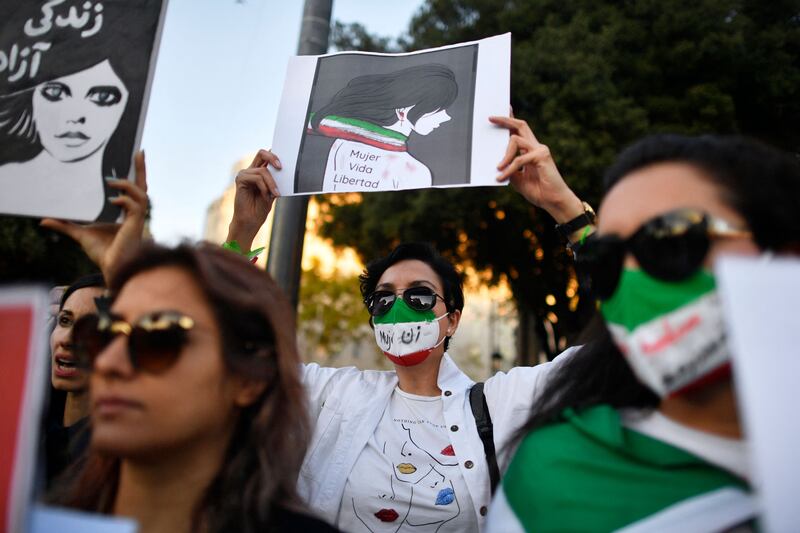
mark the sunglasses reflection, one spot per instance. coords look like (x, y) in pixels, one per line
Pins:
(669, 247)
(154, 340)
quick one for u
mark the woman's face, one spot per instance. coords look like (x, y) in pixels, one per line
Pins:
(192, 403)
(663, 187)
(415, 273)
(76, 115)
(65, 375)
(430, 121)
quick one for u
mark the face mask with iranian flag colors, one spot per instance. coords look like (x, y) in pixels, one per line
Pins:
(671, 333)
(407, 337)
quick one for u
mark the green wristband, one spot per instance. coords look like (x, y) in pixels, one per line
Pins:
(233, 246)
(586, 231)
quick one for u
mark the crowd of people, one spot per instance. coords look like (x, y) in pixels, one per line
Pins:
(183, 402)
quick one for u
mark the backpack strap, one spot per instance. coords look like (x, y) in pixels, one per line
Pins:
(483, 420)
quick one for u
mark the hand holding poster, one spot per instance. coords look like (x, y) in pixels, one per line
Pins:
(357, 121)
(23, 319)
(74, 78)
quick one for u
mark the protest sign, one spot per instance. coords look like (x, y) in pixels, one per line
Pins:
(23, 341)
(357, 121)
(45, 519)
(74, 81)
(760, 304)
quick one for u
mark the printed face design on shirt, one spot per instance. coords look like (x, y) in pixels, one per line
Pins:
(427, 471)
(419, 482)
(418, 463)
(392, 511)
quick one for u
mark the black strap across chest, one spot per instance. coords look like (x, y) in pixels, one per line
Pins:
(480, 410)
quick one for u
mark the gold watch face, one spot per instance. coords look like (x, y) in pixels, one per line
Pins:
(589, 211)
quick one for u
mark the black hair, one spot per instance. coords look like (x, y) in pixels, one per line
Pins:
(57, 399)
(20, 139)
(375, 97)
(759, 182)
(449, 276)
(124, 40)
(90, 280)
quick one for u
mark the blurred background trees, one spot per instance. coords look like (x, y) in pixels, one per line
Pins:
(590, 77)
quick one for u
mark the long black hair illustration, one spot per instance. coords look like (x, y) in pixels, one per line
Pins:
(375, 98)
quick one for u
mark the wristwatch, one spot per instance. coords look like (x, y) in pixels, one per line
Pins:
(586, 218)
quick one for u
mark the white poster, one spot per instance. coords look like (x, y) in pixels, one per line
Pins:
(45, 519)
(74, 78)
(760, 303)
(357, 121)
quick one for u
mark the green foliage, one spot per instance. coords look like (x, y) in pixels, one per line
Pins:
(331, 315)
(34, 254)
(590, 76)
(354, 36)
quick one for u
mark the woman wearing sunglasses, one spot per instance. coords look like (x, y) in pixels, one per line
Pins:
(66, 433)
(402, 449)
(640, 427)
(197, 411)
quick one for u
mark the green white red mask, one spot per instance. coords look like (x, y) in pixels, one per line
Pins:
(671, 333)
(406, 336)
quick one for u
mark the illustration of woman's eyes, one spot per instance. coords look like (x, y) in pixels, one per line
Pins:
(104, 95)
(55, 91)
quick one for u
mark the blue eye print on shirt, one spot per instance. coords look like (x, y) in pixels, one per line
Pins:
(445, 496)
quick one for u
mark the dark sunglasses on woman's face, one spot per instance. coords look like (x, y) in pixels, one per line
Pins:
(670, 247)
(154, 341)
(419, 298)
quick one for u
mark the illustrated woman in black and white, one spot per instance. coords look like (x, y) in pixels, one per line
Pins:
(68, 115)
(373, 117)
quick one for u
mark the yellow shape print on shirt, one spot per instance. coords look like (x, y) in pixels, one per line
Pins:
(406, 468)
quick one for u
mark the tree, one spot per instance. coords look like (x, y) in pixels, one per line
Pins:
(29, 253)
(591, 76)
(331, 317)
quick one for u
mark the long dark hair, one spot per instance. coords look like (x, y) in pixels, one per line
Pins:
(375, 97)
(759, 182)
(124, 40)
(260, 469)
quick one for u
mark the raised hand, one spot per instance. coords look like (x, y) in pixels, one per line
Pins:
(533, 173)
(108, 244)
(256, 191)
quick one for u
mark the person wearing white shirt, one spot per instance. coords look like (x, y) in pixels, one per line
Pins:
(400, 449)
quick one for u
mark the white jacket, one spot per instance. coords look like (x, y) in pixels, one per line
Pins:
(346, 405)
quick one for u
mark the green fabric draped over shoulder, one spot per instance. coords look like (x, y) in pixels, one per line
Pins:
(590, 473)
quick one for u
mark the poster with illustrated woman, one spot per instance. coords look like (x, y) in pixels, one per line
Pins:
(74, 80)
(362, 122)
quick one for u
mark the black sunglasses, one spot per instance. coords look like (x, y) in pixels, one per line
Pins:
(154, 342)
(419, 298)
(670, 247)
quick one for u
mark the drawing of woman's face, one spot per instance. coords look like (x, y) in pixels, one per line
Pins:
(430, 121)
(76, 115)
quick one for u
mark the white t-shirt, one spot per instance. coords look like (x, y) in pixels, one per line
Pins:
(407, 477)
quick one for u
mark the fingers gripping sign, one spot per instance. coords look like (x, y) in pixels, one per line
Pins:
(256, 191)
(108, 244)
(531, 170)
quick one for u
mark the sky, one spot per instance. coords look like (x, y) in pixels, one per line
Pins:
(216, 91)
